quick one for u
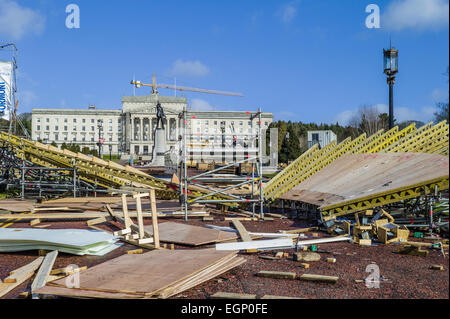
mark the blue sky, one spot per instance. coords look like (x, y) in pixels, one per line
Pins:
(303, 60)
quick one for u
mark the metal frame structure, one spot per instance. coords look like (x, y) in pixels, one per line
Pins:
(230, 200)
(427, 139)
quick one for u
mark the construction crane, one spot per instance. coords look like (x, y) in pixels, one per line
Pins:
(155, 87)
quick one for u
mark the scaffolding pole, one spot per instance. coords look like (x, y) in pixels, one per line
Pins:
(256, 162)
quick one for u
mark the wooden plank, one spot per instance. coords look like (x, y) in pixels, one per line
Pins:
(44, 271)
(312, 277)
(437, 267)
(154, 218)
(67, 270)
(277, 274)
(139, 218)
(231, 295)
(241, 230)
(135, 251)
(278, 297)
(99, 220)
(26, 272)
(35, 222)
(126, 217)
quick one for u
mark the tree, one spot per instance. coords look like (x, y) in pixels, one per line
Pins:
(368, 120)
(442, 113)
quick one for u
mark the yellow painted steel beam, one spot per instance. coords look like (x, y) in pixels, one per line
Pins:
(433, 139)
(367, 141)
(389, 140)
(411, 144)
(343, 148)
(410, 137)
(295, 168)
(378, 140)
(288, 180)
(385, 198)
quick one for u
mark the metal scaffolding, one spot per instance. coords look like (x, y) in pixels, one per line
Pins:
(233, 149)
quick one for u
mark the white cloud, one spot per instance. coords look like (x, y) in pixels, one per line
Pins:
(188, 68)
(416, 14)
(201, 105)
(17, 21)
(288, 12)
(401, 114)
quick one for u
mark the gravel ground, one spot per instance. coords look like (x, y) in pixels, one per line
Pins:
(403, 276)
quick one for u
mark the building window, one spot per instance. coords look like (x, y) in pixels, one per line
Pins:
(65, 137)
(56, 120)
(83, 128)
(38, 127)
(84, 139)
(110, 121)
(241, 123)
(65, 120)
(56, 128)
(74, 128)
(56, 137)
(110, 128)
(145, 150)
(74, 120)
(249, 122)
(47, 128)
(65, 128)
(266, 123)
(92, 128)
(38, 120)
(38, 137)
(136, 149)
(92, 121)
(215, 122)
(47, 120)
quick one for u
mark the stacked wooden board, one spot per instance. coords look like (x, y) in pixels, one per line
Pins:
(156, 274)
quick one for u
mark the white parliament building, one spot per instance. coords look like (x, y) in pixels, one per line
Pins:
(130, 131)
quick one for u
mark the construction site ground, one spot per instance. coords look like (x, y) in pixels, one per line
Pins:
(402, 276)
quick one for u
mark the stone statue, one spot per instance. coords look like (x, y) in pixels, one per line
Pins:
(160, 116)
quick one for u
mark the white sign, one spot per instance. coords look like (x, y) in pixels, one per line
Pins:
(6, 70)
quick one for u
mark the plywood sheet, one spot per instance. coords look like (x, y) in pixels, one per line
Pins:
(16, 206)
(184, 234)
(146, 273)
(355, 176)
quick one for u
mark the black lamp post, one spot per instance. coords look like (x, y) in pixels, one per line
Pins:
(390, 69)
(287, 141)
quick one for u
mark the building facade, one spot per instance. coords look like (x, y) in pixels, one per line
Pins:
(323, 138)
(130, 131)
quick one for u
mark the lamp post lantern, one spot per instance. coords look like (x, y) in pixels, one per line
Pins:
(390, 69)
